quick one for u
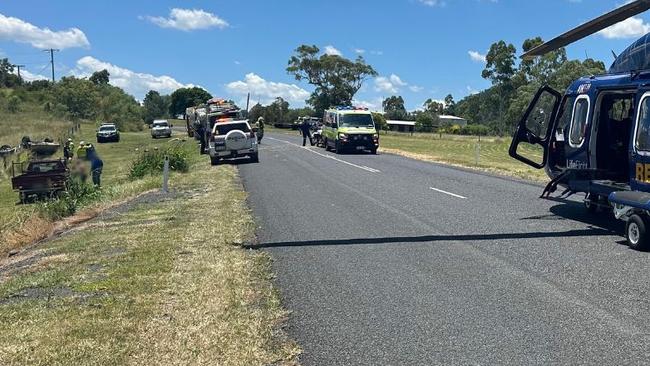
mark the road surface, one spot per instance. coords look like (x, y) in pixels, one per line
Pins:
(390, 261)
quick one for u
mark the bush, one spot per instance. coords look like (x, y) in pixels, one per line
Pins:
(152, 162)
(13, 104)
(475, 130)
(77, 195)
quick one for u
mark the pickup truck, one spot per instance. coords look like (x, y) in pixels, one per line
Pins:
(42, 178)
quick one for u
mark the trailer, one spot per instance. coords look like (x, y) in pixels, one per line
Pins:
(39, 179)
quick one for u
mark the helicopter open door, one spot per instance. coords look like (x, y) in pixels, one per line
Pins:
(535, 128)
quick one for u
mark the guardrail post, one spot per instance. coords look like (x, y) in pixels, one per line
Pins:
(165, 187)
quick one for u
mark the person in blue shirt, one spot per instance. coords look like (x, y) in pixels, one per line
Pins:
(96, 166)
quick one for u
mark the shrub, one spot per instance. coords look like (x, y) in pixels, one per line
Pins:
(77, 195)
(13, 104)
(475, 130)
(152, 162)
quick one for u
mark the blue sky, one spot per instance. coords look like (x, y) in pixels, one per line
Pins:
(421, 48)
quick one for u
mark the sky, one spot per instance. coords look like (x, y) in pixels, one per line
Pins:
(421, 48)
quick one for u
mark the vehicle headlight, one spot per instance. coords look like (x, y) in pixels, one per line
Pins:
(343, 136)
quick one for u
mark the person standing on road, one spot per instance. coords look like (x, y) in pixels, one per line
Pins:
(305, 128)
(260, 129)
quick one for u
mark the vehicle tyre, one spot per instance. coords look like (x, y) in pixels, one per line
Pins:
(214, 160)
(99, 141)
(636, 233)
(327, 146)
(373, 151)
(117, 140)
(255, 158)
(337, 148)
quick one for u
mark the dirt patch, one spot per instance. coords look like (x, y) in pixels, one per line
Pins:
(48, 294)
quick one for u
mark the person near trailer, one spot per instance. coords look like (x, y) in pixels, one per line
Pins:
(68, 150)
(260, 129)
(82, 150)
(96, 167)
(305, 129)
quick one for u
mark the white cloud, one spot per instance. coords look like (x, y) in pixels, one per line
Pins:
(134, 83)
(433, 3)
(17, 30)
(359, 51)
(629, 28)
(267, 91)
(373, 105)
(416, 88)
(377, 53)
(476, 56)
(188, 20)
(390, 84)
(28, 76)
(332, 51)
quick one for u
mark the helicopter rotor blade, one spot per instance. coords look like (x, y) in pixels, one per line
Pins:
(589, 28)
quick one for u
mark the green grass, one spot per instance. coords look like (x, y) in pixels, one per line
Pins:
(492, 152)
(158, 284)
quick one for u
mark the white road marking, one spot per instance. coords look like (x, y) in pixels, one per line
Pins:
(449, 193)
(362, 167)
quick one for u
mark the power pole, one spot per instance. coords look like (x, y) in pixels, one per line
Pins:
(51, 51)
(18, 67)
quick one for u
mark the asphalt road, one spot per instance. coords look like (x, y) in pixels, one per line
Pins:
(385, 260)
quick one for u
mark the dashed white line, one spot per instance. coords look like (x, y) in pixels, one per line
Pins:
(448, 193)
(362, 167)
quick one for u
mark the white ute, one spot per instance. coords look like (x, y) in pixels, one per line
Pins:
(161, 128)
(231, 140)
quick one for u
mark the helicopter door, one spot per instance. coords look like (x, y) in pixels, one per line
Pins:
(533, 135)
(640, 146)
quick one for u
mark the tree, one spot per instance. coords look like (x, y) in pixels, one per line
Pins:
(434, 107)
(79, 96)
(541, 68)
(394, 108)
(500, 63)
(13, 104)
(183, 98)
(7, 77)
(450, 105)
(155, 106)
(380, 121)
(336, 78)
(426, 122)
(100, 77)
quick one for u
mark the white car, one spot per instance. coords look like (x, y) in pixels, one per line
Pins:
(161, 128)
(231, 140)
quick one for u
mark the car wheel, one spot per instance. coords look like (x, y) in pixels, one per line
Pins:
(636, 233)
(214, 160)
(326, 144)
(337, 147)
(255, 158)
(373, 151)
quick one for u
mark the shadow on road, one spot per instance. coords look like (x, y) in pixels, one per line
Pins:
(434, 238)
(241, 161)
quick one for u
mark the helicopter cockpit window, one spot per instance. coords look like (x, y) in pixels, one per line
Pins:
(642, 141)
(579, 121)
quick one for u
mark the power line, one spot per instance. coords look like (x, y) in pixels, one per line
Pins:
(51, 51)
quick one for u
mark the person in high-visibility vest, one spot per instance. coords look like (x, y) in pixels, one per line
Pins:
(82, 151)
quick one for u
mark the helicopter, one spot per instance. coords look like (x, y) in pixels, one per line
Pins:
(594, 138)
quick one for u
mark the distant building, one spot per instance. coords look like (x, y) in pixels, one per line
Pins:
(446, 120)
(401, 126)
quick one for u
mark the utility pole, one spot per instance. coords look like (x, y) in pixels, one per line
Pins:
(18, 67)
(51, 51)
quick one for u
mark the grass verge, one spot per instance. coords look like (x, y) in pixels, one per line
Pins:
(161, 282)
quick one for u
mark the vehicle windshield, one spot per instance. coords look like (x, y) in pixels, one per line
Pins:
(107, 128)
(357, 120)
(223, 129)
(160, 124)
